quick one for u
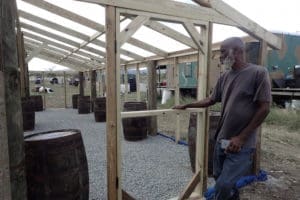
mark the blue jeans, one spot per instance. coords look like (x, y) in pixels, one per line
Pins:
(228, 169)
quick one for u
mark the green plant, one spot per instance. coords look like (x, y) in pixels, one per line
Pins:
(284, 117)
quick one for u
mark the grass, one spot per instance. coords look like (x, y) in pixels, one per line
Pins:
(284, 117)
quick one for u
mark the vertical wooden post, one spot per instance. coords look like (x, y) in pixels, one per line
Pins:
(93, 75)
(5, 190)
(152, 96)
(81, 86)
(21, 60)
(44, 92)
(207, 37)
(12, 99)
(202, 117)
(113, 114)
(65, 89)
(138, 90)
(100, 84)
(177, 98)
(261, 61)
(126, 83)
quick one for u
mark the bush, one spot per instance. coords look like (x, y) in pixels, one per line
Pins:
(284, 117)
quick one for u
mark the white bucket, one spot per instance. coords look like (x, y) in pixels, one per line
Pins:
(166, 95)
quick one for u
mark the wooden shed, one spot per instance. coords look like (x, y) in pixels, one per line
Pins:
(197, 21)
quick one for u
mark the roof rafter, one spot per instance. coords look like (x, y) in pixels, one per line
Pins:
(93, 25)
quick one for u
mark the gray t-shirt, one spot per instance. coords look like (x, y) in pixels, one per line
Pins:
(239, 91)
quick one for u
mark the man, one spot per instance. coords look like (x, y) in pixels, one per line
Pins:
(245, 94)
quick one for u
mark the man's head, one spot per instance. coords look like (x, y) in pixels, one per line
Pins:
(232, 52)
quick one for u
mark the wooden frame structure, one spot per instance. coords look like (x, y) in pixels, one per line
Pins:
(147, 13)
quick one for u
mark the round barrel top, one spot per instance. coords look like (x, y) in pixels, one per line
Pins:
(50, 135)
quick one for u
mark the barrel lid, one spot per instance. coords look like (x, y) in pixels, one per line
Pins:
(50, 135)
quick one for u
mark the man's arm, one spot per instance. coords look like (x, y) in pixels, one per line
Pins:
(237, 142)
(199, 104)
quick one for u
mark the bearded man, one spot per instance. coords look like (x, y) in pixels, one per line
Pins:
(245, 95)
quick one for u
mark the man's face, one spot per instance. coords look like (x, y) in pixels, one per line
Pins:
(227, 57)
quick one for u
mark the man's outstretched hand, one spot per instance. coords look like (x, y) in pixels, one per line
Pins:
(180, 107)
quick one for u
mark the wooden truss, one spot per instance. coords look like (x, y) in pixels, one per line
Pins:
(197, 20)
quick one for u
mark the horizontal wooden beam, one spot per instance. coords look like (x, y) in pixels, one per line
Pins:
(243, 22)
(148, 113)
(168, 7)
(35, 52)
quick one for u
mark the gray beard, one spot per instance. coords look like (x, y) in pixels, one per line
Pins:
(227, 64)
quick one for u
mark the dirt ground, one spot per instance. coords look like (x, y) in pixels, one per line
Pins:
(280, 157)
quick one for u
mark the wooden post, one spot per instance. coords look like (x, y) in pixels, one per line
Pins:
(207, 37)
(27, 83)
(5, 190)
(126, 83)
(100, 84)
(44, 92)
(152, 96)
(21, 60)
(12, 99)
(138, 91)
(113, 114)
(202, 117)
(177, 98)
(262, 61)
(65, 89)
(93, 75)
(81, 86)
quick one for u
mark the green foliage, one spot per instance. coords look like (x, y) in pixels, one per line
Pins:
(284, 117)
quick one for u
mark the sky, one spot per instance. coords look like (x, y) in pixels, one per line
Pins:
(276, 16)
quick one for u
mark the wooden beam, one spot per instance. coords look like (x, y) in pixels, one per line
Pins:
(138, 82)
(35, 52)
(262, 61)
(126, 83)
(168, 7)
(190, 187)
(147, 47)
(147, 113)
(21, 60)
(202, 117)
(112, 105)
(93, 75)
(81, 85)
(177, 98)
(190, 28)
(65, 89)
(165, 30)
(244, 23)
(126, 196)
(132, 28)
(12, 100)
(54, 57)
(5, 188)
(152, 96)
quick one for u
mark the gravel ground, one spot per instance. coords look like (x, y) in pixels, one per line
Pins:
(155, 168)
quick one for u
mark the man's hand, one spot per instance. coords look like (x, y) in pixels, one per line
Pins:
(180, 107)
(235, 145)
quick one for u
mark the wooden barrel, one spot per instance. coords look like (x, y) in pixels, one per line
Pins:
(38, 102)
(214, 118)
(84, 104)
(135, 128)
(28, 114)
(100, 109)
(75, 101)
(56, 166)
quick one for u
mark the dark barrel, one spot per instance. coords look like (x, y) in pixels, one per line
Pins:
(100, 109)
(56, 166)
(135, 128)
(75, 101)
(28, 114)
(38, 102)
(214, 118)
(84, 104)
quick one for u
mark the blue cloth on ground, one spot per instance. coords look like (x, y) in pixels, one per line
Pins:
(262, 176)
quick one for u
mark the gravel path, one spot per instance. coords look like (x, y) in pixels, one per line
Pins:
(152, 169)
